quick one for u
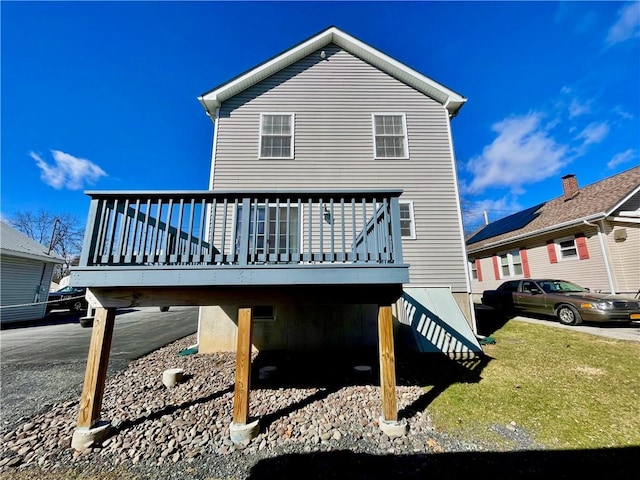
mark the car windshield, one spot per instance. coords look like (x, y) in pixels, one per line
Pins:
(554, 286)
(66, 289)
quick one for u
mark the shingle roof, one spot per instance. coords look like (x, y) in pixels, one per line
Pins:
(598, 198)
(15, 243)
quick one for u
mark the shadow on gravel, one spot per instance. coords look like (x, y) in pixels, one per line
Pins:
(607, 463)
(333, 370)
(169, 409)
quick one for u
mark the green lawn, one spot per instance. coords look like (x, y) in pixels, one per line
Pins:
(566, 390)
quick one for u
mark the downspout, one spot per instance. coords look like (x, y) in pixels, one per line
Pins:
(607, 267)
(214, 120)
(474, 326)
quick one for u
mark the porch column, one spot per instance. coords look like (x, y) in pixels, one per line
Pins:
(241, 429)
(389, 420)
(89, 428)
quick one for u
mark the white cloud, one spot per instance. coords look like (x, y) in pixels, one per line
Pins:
(577, 108)
(68, 172)
(622, 157)
(627, 26)
(594, 133)
(622, 112)
(523, 152)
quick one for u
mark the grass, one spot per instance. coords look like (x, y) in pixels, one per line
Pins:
(567, 390)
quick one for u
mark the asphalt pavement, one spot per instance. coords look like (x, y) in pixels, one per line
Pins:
(43, 363)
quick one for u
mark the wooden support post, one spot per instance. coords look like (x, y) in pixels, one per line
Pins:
(387, 363)
(243, 367)
(96, 372)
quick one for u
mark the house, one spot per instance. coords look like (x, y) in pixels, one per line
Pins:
(333, 112)
(332, 221)
(25, 276)
(588, 235)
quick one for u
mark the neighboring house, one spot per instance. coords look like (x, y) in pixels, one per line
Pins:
(333, 112)
(588, 235)
(26, 269)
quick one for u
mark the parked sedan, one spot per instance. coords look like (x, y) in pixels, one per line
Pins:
(569, 302)
(68, 298)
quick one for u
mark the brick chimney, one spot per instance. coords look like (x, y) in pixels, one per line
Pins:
(570, 186)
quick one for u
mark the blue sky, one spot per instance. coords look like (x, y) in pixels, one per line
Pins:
(102, 95)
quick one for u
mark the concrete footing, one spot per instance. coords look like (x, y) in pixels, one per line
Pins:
(241, 432)
(84, 438)
(393, 428)
(172, 376)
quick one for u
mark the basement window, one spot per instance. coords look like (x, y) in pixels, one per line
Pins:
(264, 313)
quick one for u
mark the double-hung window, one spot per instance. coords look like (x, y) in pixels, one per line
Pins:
(567, 248)
(407, 221)
(276, 135)
(510, 264)
(390, 135)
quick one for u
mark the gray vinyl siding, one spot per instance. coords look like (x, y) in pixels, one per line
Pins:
(19, 281)
(333, 101)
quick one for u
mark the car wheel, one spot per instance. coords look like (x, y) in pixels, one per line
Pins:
(164, 309)
(568, 315)
(77, 306)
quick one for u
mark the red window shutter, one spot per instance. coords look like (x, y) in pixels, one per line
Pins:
(479, 270)
(581, 243)
(551, 250)
(496, 267)
(525, 263)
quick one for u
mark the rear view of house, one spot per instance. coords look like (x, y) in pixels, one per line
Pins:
(588, 235)
(333, 112)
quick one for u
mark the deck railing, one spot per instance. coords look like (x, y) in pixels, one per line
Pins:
(242, 228)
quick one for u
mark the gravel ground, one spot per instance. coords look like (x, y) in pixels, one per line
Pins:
(314, 415)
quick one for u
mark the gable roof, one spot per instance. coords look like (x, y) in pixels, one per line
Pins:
(16, 244)
(451, 100)
(593, 202)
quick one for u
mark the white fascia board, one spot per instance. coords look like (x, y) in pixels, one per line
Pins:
(623, 201)
(560, 226)
(452, 100)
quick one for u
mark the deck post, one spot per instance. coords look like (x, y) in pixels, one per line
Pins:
(89, 428)
(241, 429)
(389, 420)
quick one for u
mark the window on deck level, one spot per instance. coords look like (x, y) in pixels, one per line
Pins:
(271, 230)
(390, 136)
(276, 135)
(407, 222)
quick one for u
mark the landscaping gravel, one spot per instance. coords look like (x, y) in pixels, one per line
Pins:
(183, 432)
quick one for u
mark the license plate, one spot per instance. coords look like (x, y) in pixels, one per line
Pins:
(635, 316)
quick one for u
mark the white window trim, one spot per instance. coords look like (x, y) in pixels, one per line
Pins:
(413, 220)
(559, 254)
(473, 267)
(293, 136)
(510, 263)
(404, 127)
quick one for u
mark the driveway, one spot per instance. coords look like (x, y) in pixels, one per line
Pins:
(610, 330)
(44, 364)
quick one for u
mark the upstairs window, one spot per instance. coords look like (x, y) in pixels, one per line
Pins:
(390, 136)
(407, 222)
(276, 135)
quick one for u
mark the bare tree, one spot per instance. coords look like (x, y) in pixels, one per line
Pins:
(62, 234)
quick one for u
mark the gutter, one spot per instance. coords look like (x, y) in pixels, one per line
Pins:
(607, 267)
(560, 226)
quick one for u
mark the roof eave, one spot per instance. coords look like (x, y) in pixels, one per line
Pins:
(516, 238)
(447, 97)
(32, 256)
